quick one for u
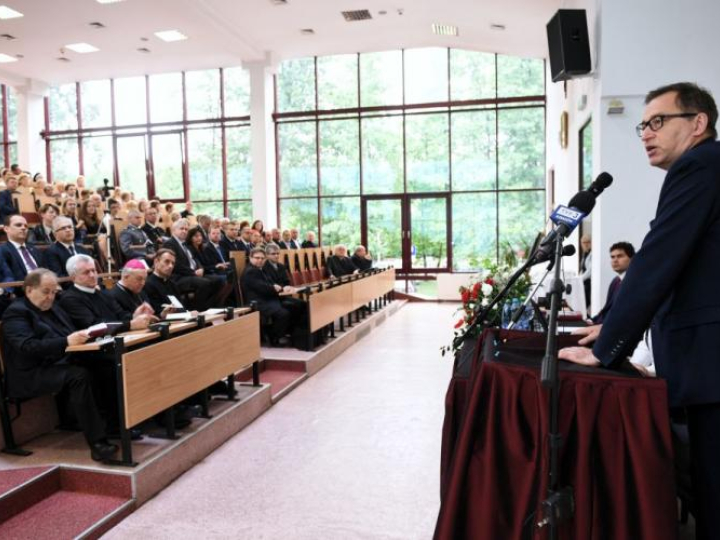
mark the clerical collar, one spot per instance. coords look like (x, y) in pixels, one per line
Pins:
(88, 290)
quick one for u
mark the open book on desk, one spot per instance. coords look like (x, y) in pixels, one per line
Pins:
(103, 329)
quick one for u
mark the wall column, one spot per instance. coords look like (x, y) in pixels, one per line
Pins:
(31, 121)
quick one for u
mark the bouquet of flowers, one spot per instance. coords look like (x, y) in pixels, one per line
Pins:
(477, 295)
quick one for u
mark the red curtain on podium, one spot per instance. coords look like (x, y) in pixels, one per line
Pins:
(616, 453)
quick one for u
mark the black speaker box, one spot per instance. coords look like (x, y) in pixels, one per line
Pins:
(568, 44)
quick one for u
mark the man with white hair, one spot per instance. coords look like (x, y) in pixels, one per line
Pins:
(188, 274)
(128, 292)
(64, 247)
(339, 264)
(134, 243)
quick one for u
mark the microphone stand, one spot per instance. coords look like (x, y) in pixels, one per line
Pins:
(559, 506)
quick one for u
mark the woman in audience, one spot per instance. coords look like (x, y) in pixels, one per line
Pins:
(38, 177)
(42, 233)
(69, 210)
(84, 195)
(258, 226)
(257, 239)
(142, 206)
(195, 240)
(80, 182)
(70, 191)
(171, 218)
(126, 197)
(132, 205)
(24, 183)
(88, 217)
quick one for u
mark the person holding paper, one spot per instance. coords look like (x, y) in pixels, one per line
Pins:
(160, 289)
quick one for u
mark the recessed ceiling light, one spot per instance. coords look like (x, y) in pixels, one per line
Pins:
(4, 58)
(8, 13)
(63, 59)
(97, 25)
(82, 48)
(144, 50)
(498, 27)
(171, 35)
(108, 1)
(307, 32)
(445, 30)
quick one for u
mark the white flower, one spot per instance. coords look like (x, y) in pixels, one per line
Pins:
(486, 289)
(485, 302)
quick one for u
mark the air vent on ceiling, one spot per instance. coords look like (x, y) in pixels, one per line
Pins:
(307, 32)
(358, 15)
(279, 2)
(445, 30)
(498, 27)
(96, 25)
(62, 59)
(7, 37)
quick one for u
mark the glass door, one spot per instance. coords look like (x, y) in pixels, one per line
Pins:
(132, 164)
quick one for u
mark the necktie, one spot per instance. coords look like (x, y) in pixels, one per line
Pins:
(222, 259)
(29, 261)
(72, 250)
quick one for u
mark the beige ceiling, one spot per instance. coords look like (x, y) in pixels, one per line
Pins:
(224, 33)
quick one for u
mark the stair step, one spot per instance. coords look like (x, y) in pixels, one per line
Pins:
(12, 478)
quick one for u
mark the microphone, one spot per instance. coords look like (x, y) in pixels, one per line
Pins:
(568, 217)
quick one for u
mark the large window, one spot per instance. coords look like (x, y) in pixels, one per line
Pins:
(172, 136)
(450, 144)
(8, 125)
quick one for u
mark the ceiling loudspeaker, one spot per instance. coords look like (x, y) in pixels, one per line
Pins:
(568, 44)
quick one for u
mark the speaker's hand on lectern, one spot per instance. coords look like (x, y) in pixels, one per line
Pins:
(578, 355)
(590, 332)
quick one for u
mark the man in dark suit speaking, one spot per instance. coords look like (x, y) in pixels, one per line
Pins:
(673, 283)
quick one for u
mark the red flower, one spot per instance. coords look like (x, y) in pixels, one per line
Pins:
(490, 281)
(459, 323)
(465, 296)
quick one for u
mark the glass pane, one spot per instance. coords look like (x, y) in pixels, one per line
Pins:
(586, 155)
(428, 219)
(12, 115)
(298, 159)
(473, 150)
(239, 167)
(522, 217)
(12, 153)
(382, 154)
(63, 107)
(166, 100)
(296, 85)
(384, 231)
(472, 75)
(428, 156)
(240, 210)
(97, 160)
(521, 147)
(203, 94)
(205, 155)
(65, 160)
(340, 221)
(130, 104)
(520, 76)
(2, 127)
(337, 82)
(340, 157)
(474, 218)
(237, 92)
(381, 79)
(167, 166)
(96, 108)
(214, 209)
(426, 75)
(132, 158)
(301, 214)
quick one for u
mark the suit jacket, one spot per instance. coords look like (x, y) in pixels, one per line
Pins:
(14, 260)
(157, 291)
(308, 244)
(293, 244)
(7, 206)
(213, 258)
(361, 262)
(612, 293)
(284, 245)
(38, 235)
(126, 299)
(130, 240)
(57, 255)
(258, 288)
(340, 266)
(279, 276)
(86, 309)
(227, 245)
(33, 339)
(673, 283)
(155, 234)
(182, 262)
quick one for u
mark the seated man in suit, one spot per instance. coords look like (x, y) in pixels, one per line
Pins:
(56, 255)
(7, 206)
(204, 224)
(159, 288)
(294, 239)
(258, 287)
(152, 228)
(42, 233)
(285, 243)
(36, 333)
(188, 274)
(19, 257)
(621, 253)
(278, 274)
(246, 239)
(134, 242)
(231, 242)
(309, 241)
(214, 253)
(87, 305)
(339, 264)
(361, 259)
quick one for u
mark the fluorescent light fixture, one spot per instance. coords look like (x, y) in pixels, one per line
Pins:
(8, 13)
(171, 35)
(5, 59)
(82, 48)
(445, 30)
(108, 1)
